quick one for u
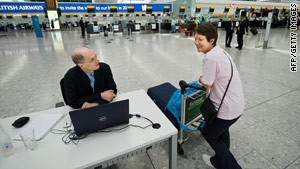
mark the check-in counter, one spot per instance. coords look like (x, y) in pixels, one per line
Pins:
(91, 28)
(165, 26)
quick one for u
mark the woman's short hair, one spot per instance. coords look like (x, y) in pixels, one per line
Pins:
(208, 30)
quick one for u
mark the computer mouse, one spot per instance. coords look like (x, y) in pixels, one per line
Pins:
(156, 125)
(20, 122)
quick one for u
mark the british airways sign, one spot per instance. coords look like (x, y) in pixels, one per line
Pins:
(9, 7)
(21, 7)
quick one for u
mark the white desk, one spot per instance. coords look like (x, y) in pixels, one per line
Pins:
(99, 149)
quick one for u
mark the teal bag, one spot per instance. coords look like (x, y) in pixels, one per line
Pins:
(174, 104)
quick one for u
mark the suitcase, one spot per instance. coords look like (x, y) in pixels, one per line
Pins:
(253, 31)
(161, 95)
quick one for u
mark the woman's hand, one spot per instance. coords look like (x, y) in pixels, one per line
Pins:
(204, 85)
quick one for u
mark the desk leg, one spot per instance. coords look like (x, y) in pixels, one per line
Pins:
(173, 152)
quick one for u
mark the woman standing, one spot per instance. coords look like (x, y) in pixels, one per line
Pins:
(217, 69)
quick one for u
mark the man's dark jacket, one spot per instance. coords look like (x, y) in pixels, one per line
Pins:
(78, 89)
(228, 27)
(241, 28)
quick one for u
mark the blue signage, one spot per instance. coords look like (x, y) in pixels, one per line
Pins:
(36, 25)
(9, 7)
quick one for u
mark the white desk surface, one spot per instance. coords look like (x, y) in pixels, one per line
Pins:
(51, 152)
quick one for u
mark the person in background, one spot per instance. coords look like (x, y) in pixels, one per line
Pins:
(196, 21)
(246, 25)
(173, 25)
(90, 82)
(216, 68)
(82, 26)
(186, 20)
(285, 20)
(203, 21)
(44, 25)
(229, 31)
(240, 32)
(52, 24)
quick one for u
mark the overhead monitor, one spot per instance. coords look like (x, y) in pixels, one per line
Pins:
(113, 9)
(143, 14)
(130, 9)
(24, 16)
(238, 9)
(75, 15)
(68, 15)
(9, 16)
(226, 10)
(169, 14)
(211, 9)
(252, 9)
(121, 14)
(149, 10)
(111, 15)
(90, 9)
(276, 9)
(182, 9)
(283, 9)
(262, 9)
(153, 14)
(104, 15)
(158, 14)
(166, 9)
(198, 9)
(127, 14)
(137, 14)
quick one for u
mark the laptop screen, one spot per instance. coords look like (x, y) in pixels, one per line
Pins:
(100, 117)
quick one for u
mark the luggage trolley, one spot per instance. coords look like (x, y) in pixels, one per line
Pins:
(190, 106)
(190, 109)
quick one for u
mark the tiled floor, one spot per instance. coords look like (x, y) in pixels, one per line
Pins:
(266, 136)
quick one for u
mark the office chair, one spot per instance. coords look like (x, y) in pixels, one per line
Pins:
(62, 88)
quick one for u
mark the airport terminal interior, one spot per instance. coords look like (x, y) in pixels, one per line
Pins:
(265, 137)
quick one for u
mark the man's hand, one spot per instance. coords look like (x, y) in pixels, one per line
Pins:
(87, 105)
(107, 95)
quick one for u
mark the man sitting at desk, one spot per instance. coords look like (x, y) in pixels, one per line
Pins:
(89, 83)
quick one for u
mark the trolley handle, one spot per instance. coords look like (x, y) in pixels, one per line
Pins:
(183, 85)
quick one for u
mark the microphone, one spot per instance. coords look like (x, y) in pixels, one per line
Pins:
(184, 85)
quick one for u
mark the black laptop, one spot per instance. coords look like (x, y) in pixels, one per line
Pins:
(100, 117)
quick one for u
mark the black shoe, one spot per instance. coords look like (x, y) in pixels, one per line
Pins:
(237, 47)
(240, 48)
(229, 46)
